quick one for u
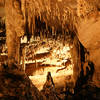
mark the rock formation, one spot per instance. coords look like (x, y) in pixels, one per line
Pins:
(15, 85)
(88, 33)
(55, 17)
(49, 88)
(14, 29)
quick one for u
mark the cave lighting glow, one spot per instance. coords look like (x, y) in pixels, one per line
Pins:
(57, 57)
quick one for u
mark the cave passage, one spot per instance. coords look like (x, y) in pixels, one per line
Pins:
(48, 55)
(49, 50)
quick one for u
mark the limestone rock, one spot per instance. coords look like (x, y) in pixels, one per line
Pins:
(49, 88)
(15, 85)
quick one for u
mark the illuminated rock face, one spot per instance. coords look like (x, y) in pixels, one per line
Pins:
(14, 28)
(86, 7)
(89, 33)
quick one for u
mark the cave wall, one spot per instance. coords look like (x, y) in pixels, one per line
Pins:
(89, 33)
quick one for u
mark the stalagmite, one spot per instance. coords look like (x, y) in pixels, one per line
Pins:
(23, 58)
(14, 29)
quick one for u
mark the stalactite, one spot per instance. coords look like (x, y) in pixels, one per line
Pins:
(33, 25)
(38, 13)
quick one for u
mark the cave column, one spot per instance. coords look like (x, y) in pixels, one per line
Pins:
(76, 59)
(14, 29)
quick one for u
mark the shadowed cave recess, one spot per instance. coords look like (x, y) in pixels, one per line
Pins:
(49, 50)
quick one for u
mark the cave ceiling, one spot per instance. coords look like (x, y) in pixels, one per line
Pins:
(55, 13)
